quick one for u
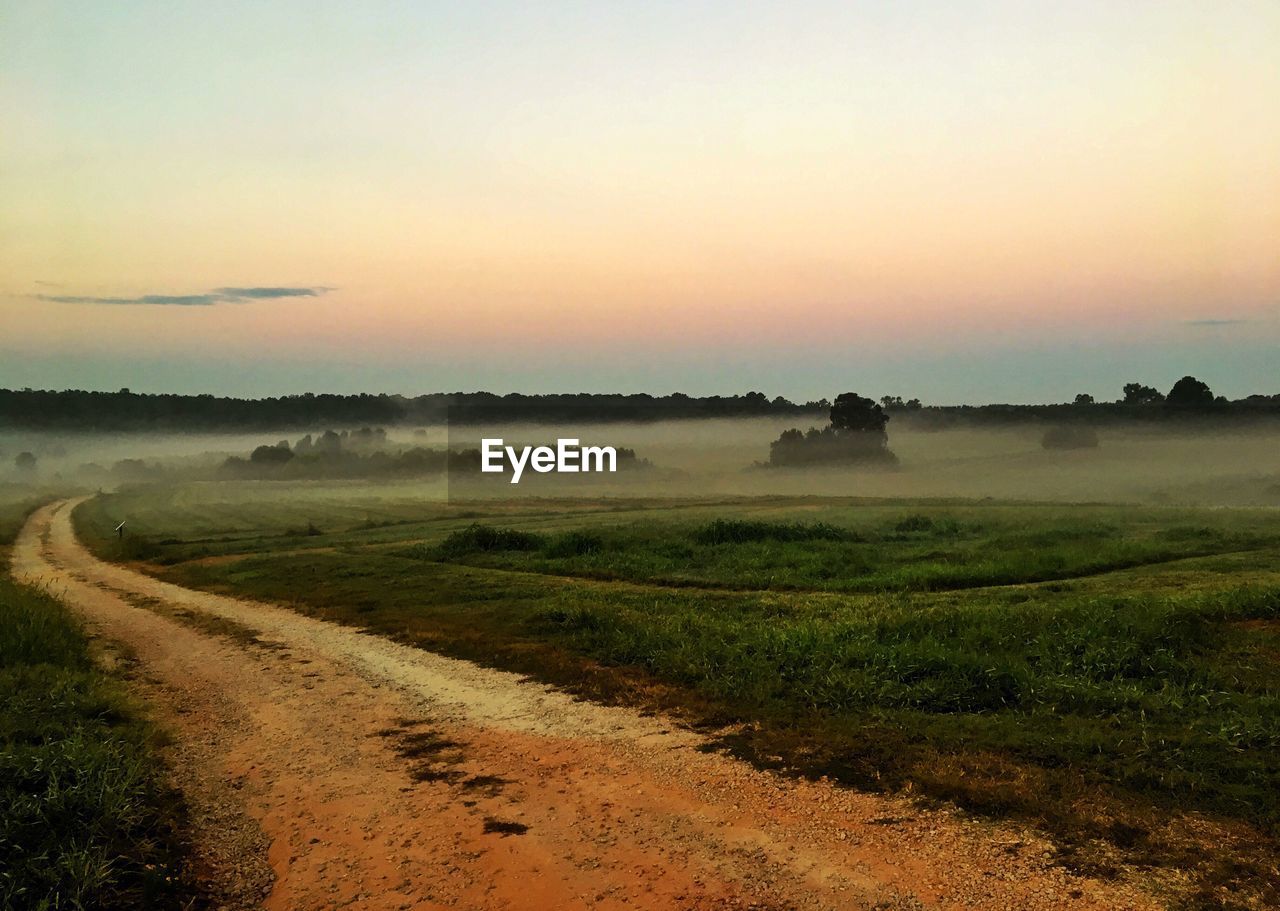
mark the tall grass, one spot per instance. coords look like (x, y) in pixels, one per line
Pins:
(1140, 692)
(911, 553)
(740, 531)
(15, 506)
(477, 538)
(86, 820)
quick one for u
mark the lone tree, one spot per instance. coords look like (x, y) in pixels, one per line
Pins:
(1138, 394)
(1190, 392)
(1084, 398)
(856, 434)
(25, 461)
(853, 413)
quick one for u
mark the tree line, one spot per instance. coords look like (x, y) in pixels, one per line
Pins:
(33, 409)
(126, 410)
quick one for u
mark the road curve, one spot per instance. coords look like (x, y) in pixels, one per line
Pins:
(330, 768)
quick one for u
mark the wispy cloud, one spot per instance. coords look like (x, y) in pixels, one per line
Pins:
(1215, 322)
(170, 300)
(259, 293)
(216, 296)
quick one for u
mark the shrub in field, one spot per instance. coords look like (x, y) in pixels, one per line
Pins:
(479, 538)
(917, 524)
(574, 544)
(734, 531)
(310, 531)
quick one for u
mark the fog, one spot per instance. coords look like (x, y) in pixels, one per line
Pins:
(716, 457)
(1131, 464)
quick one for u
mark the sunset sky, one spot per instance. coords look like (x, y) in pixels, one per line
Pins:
(961, 201)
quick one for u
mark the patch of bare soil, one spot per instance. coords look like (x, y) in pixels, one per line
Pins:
(380, 776)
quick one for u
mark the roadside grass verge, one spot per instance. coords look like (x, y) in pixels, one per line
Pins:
(16, 504)
(86, 819)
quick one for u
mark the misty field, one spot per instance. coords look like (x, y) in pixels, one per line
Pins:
(1099, 670)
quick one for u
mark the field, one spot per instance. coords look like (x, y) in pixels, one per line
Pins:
(87, 819)
(1109, 673)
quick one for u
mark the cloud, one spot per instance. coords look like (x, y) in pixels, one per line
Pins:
(260, 293)
(216, 296)
(171, 300)
(1215, 322)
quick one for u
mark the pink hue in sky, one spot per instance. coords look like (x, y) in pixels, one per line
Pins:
(636, 183)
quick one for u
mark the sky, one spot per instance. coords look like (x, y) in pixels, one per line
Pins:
(952, 200)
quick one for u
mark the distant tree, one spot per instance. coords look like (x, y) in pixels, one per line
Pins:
(853, 413)
(1190, 392)
(328, 442)
(1084, 398)
(914, 405)
(891, 401)
(270, 455)
(1138, 394)
(25, 461)
(856, 434)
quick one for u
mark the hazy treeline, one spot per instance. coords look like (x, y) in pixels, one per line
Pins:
(366, 453)
(125, 410)
(1242, 411)
(1189, 399)
(30, 409)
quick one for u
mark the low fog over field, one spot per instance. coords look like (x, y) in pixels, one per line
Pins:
(1135, 463)
(1130, 463)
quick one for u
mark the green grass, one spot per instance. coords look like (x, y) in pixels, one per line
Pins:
(1096, 670)
(892, 553)
(86, 820)
(16, 503)
(477, 538)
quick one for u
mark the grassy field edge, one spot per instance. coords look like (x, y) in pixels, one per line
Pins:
(88, 819)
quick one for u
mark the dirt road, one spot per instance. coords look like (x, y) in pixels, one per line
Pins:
(328, 768)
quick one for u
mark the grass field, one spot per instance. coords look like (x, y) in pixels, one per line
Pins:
(86, 819)
(1102, 671)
